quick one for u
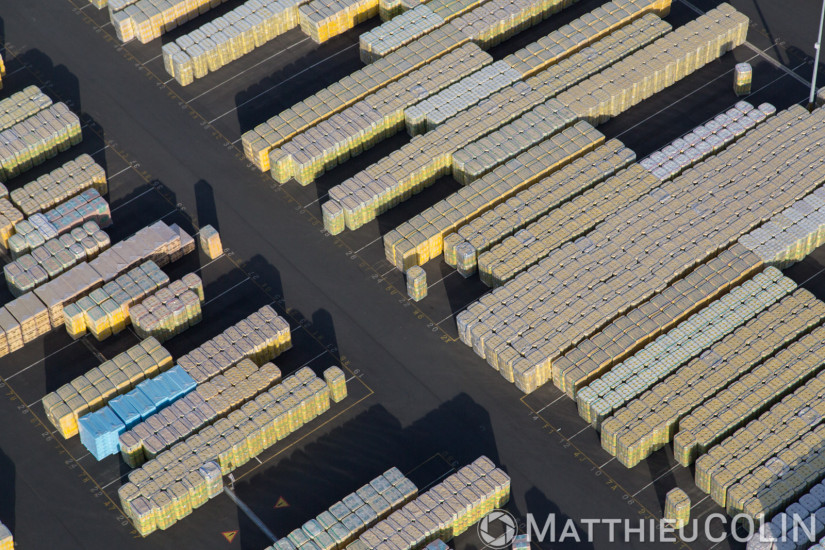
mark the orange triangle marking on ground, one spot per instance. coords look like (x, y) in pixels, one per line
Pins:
(229, 535)
(282, 503)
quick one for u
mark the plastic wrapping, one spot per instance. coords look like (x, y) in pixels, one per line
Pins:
(60, 185)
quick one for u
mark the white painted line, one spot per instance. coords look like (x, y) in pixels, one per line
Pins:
(608, 462)
(445, 318)
(313, 359)
(283, 81)
(259, 461)
(812, 277)
(82, 457)
(322, 197)
(251, 515)
(579, 432)
(136, 197)
(99, 151)
(210, 262)
(654, 481)
(150, 60)
(441, 279)
(388, 272)
(551, 403)
(115, 481)
(368, 244)
(119, 173)
(700, 502)
(17, 70)
(247, 69)
(43, 359)
(226, 291)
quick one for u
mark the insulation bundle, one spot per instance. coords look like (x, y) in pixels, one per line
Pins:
(677, 507)
(742, 78)
(117, 376)
(170, 310)
(21, 105)
(55, 257)
(416, 283)
(210, 242)
(222, 447)
(37, 138)
(60, 185)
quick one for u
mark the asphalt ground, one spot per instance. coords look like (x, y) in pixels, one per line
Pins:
(419, 399)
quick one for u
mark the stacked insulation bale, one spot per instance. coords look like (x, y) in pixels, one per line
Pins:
(21, 105)
(345, 520)
(59, 185)
(258, 143)
(417, 283)
(792, 234)
(228, 37)
(337, 382)
(677, 507)
(616, 20)
(325, 19)
(742, 79)
(659, 65)
(387, 9)
(426, 158)
(33, 232)
(6, 538)
(397, 32)
(100, 430)
(209, 401)
(228, 444)
(435, 110)
(625, 335)
(444, 512)
(421, 161)
(590, 60)
(705, 140)
(507, 218)
(170, 310)
(422, 237)
(210, 242)
(262, 336)
(770, 461)
(669, 351)
(798, 526)
(9, 218)
(37, 139)
(146, 20)
(54, 257)
(483, 155)
(105, 311)
(729, 203)
(90, 392)
(649, 421)
(378, 116)
(750, 394)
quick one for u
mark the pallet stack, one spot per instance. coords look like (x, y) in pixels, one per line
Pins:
(397, 32)
(100, 430)
(677, 508)
(210, 242)
(422, 237)
(228, 37)
(97, 387)
(260, 141)
(345, 520)
(56, 256)
(6, 538)
(792, 234)
(435, 110)
(325, 19)
(228, 444)
(60, 185)
(742, 79)
(519, 210)
(752, 393)
(669, 351)
(417, 283)
(262, 337)
(794, 525)
(210, 401)
(169, 311)
(21, 105)
(146, 20)
(106, 310)
(337, 382)
(37, 138)
(731, 203)
(445, 511)
(378, 116)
